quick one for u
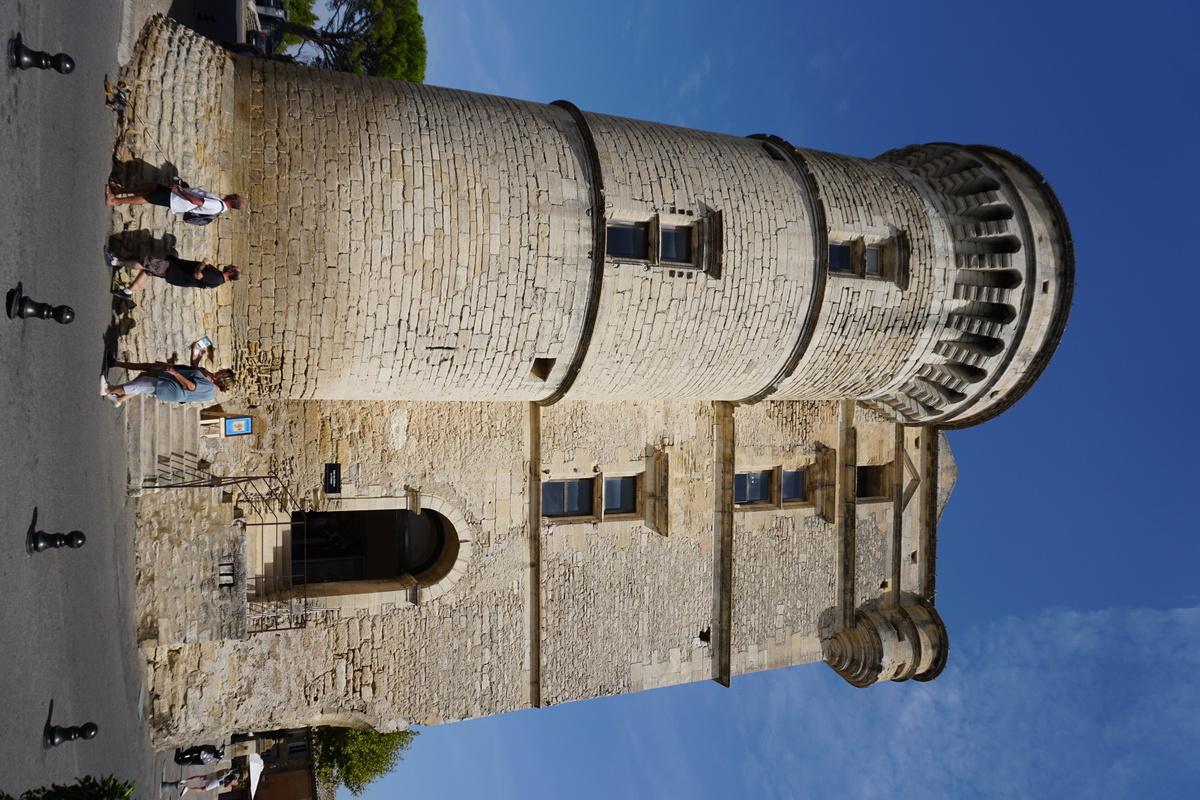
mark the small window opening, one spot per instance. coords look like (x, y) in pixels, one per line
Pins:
(677, 244)
(570, 498)
(870, 482)
(872, 264)
(629, 240)
(752, 488)
(841, 257)
(620, 495)
(706, 635)
(793, 486)
(541, 368)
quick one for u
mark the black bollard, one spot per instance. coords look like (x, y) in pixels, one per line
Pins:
(21, 306)
(54, 735)
(22, 57)
(40, 541)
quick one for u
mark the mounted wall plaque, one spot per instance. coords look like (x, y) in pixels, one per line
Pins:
(333, 479)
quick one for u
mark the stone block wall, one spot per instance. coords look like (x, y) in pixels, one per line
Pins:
(454, 659)
(624, 605)
(410, 242)
(684, 334)
(184, 540)
(176, 125)
(460, 654)
(783, 583)
(871, 333)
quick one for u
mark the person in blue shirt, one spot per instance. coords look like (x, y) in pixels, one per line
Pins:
(169, 383)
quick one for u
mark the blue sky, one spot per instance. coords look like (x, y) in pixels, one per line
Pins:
(1068, 551)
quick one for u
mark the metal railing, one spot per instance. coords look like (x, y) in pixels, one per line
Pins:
(271, 518)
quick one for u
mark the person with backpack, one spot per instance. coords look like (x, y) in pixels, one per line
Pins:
(199, 207)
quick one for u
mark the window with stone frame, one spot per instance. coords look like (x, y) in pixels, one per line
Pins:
(793, 486)
(777, 487)
(593, 499)
(568, 498)
(754, 488)
(873, 482)
(628, 240)
(621, 495)
(882, 258)
(672, 241)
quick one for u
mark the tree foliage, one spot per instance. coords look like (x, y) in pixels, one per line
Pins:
(85, 788)
(355, 758)
(301, 13)
(385, 38)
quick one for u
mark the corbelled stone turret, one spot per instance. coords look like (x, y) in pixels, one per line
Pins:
(890, 643)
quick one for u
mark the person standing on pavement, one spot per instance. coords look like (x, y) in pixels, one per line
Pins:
(175, 271)
(168, 383)
(198, 206)
(204, 783)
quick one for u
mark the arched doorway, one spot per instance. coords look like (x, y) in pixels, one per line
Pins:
(371, 545)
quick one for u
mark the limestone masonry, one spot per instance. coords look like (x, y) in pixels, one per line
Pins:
(614, 405)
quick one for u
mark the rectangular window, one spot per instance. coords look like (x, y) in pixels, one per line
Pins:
(869, 257)
(297, 748)
(672, 242)
(752, 488)
(792, 488)
(872, 265)
(629, 240)
(871, 482)
(620, 495)
(570, 498)
(677, 244)
(841, 257)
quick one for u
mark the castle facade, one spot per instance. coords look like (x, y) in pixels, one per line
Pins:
(558, 405)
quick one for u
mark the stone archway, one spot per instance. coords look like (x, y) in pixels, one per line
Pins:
(368, 552)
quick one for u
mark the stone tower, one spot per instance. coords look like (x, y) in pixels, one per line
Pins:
(672, 400)
(482, 248)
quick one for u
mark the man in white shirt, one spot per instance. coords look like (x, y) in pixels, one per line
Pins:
(177, 196)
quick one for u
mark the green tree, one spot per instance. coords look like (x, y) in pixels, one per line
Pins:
(301, 13)
(385, 38)
(85, 788)
(355, 758)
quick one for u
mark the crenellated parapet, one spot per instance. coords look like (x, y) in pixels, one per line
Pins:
(1010, 291)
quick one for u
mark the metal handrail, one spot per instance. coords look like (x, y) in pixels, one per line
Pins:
(273, 602)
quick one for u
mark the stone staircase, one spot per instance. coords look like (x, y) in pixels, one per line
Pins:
(164, 444)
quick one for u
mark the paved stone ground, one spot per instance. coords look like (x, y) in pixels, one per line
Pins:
(163, 320)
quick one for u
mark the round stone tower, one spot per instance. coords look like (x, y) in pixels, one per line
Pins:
(422, 243)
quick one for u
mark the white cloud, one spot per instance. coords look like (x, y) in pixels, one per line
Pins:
(690, 86)
(1066, 704)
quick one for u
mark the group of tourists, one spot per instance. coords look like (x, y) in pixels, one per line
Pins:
(172, 383)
